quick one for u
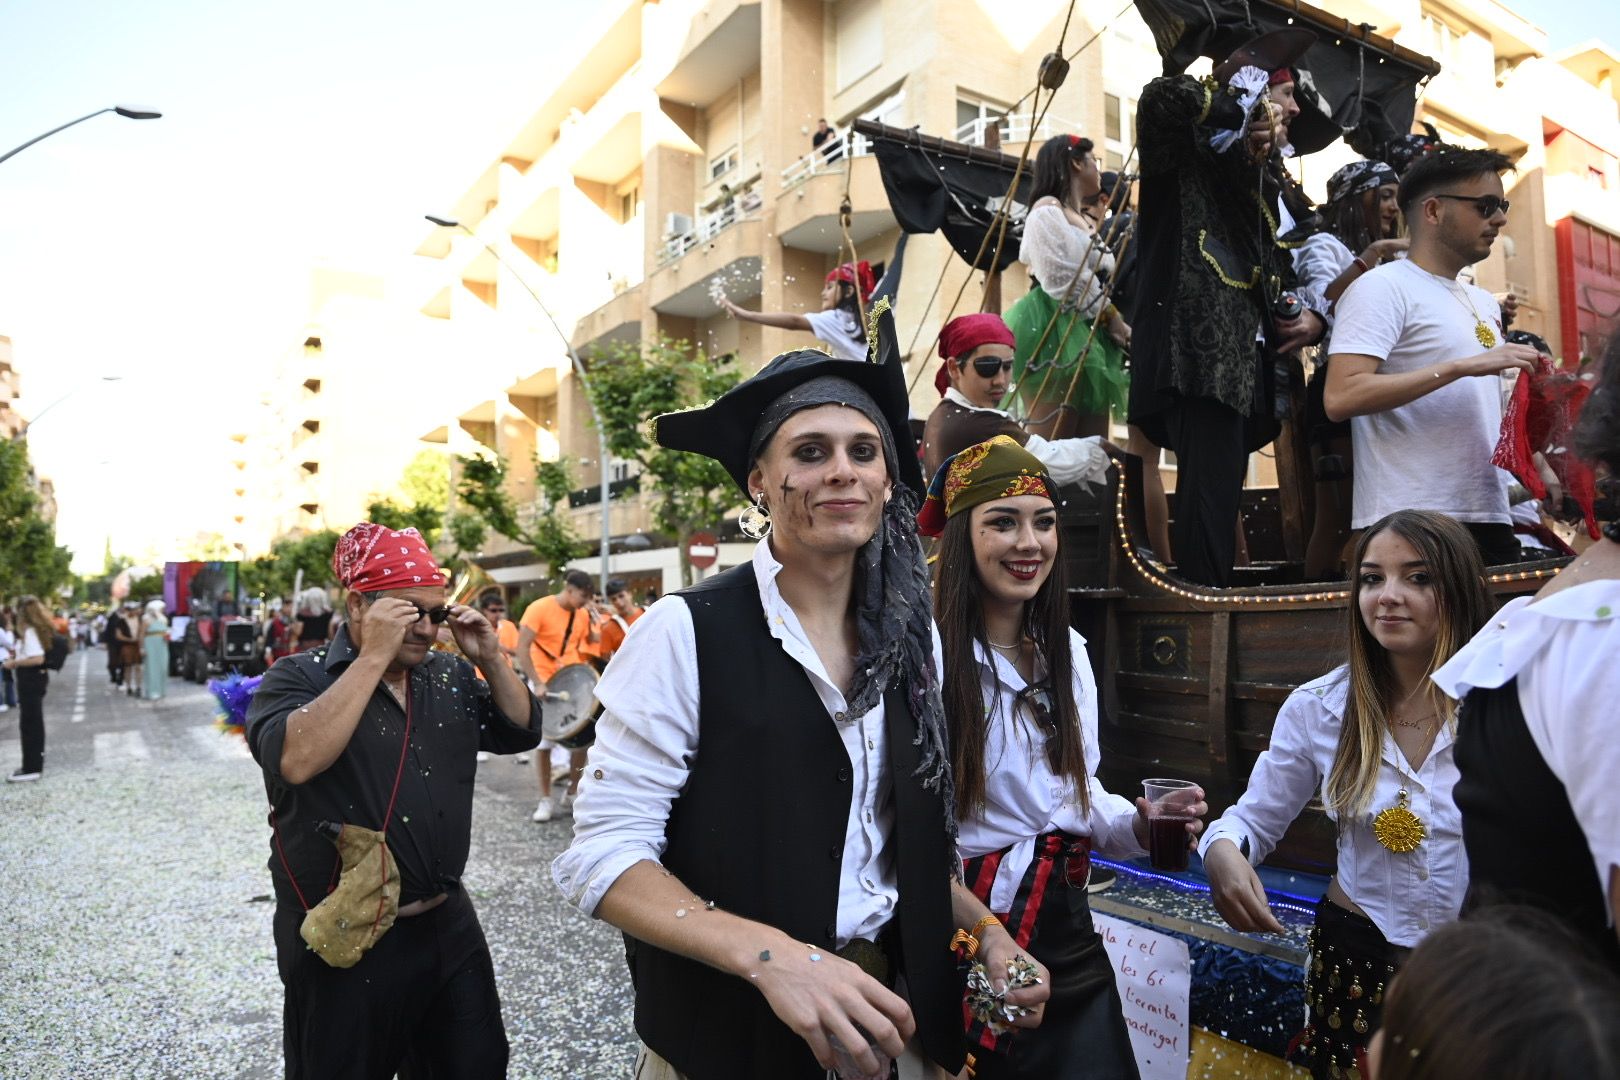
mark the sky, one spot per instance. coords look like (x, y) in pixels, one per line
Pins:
(175, 253)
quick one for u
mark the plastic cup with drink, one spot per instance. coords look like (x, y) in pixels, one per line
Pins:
(1170, 804)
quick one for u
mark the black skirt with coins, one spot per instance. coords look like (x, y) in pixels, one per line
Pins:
(1346, 976)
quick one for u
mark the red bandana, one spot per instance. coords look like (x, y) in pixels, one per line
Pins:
(858, 275)
(965, 333)
(372, 558)
(1280, 76)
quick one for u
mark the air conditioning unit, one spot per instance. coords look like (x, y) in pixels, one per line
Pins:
(677, 224)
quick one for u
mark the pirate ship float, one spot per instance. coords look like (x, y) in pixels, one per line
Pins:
(1192, 676)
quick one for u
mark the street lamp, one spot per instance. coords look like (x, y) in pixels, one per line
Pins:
(22, 432)
(584, 381)
(122, 110)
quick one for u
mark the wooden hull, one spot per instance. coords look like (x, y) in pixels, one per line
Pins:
(1191, 678)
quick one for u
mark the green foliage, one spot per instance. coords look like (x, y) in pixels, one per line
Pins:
(630, 383)
(274, 574)
(424, 519)
(426, 481)
(147, 587)
(550, 536)
(31, 562)
(467, 531)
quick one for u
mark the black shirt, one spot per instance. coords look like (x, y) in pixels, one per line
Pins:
(453, 715)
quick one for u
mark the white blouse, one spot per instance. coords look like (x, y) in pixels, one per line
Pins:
(1405, 895)
(647, 738)
(1023, 797)
(1565, 652)
(1056, 250)
(840, 331)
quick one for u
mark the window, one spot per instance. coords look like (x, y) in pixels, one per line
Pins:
(1111, 125)
(723, 164)
(1119, 130)
(973, 117)
(630, 204)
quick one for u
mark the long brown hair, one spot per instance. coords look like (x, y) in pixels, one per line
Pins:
(1463, 604)
(32, 613)
(959, 610)
(1506, 992)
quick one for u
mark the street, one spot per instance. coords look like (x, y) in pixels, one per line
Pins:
(136, 908)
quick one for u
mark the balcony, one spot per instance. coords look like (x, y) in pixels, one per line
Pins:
(1018, 128)
(729, 260)
(807, 214)
(741, 205)
(618, 320)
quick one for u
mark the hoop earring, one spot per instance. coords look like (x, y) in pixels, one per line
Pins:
(755, 522)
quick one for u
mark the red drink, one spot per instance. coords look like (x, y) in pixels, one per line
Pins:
(1167, 842)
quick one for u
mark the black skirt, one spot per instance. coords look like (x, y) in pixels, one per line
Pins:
(1082, 1034)
(1348, 971)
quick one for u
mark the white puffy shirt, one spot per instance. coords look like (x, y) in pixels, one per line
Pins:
(1405, 895)
(1057, 251)
(647, 738)
(1069, 461)
(1023, 797)
(1565, 652)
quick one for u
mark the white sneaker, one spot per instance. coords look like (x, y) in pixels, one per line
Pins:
(20, 777)
(566, 805)
(483, 755)
(523, 759)
(542, 812)
(3, 708)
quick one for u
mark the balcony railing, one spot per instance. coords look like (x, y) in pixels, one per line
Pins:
(743, 204)
(1018, 128)
(815, 163)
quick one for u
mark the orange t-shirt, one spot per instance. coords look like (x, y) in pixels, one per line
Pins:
(507, 635)
(558, 634)
(612, 635)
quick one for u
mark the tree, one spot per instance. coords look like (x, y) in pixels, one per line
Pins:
(548, 533)
(425, 488)
(632, 382)
(30, 560)
(275, 574)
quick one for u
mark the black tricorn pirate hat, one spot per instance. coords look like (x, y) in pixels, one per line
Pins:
(723, 428)
(1269, 52)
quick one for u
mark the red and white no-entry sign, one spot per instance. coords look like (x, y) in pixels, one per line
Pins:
(702, 550)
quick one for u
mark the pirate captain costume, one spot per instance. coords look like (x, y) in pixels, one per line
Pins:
(726, 755)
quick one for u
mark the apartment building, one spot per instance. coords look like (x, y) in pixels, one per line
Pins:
(11, 422)
(673, 162)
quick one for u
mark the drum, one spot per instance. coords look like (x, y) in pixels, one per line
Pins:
(568, 707)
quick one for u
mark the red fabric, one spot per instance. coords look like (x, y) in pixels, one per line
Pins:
(372, 558)
(965, 333)
(1540, 418)
(858, 275)
(1280, 76)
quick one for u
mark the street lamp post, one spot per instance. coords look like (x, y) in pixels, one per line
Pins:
(584, 381)
(22, 432)
(122, 110)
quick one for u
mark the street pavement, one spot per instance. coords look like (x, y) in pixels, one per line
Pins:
(135, 908)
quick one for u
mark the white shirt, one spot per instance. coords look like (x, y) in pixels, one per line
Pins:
(1069, 461)
(1318, 262)
(1406, 895)
(1023, 796)
(648, 736)
(839, 329)
(30, 644)
(1433, 453)
(8, 642)
(1056, 251)
(1565, 652)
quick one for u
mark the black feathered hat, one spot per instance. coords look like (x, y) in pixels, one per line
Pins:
(724, 428)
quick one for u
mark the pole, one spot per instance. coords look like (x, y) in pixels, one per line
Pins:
(584, 383)
(132, 113)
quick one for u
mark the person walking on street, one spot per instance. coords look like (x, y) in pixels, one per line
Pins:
(314, 619)
(35, 634)
(129, 649)
(113, 635)
(8, 649)
(155, 650)
(379, 731)
(551, 634)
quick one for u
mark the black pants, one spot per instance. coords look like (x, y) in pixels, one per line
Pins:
(31, 683)
(8, 687)
(421, 1003)
(1497, 542)
(1211, 442)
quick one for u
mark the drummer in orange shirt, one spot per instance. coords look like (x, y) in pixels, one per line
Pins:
(493, 605)
(623, 610)
(551, 635)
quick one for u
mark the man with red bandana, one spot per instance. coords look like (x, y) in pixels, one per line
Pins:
(977, 352)
(378, 730)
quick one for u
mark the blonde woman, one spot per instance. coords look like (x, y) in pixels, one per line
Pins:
(314, 619)
(27, 665)
(1374, 738)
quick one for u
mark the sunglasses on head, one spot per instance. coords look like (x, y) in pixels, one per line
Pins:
(989, 366)
(1487, 205)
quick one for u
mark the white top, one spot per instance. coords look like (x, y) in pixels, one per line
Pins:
(1433, 453)
(1318, 262)
(1069, 461)
(1406, 895)
(1023, 796)
(648, 736)
(1563, 650)
(840, 330)
(8, 642)
(1056, 250)
(30, 644)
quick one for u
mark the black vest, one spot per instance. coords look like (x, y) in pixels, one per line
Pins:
(759, 829)
(1524, 843)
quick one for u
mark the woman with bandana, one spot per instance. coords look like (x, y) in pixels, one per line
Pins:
(1022, 708)
(1375, 740)
(1363, 225)
(766, 809)
(849, 290)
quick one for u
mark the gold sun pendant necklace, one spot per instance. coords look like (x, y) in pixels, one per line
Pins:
(1482, 330)
(1397, 828)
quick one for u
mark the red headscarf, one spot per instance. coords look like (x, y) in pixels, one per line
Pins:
(1280, 76)
(372, 558)
(965, 333)
(859, 275)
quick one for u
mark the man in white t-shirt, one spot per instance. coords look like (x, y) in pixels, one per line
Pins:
(1418, 358)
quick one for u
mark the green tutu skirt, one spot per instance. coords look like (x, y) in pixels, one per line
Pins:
(1103, 386)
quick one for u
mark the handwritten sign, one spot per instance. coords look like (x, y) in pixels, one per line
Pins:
(1153, 975)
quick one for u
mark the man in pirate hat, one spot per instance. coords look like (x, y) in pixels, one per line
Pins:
(1214, 270)
(375, 735)
(766, 809)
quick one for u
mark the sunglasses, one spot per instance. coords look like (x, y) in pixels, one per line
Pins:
(1487, 205)
(1037, 698)
(988, 366)
(434, 615)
